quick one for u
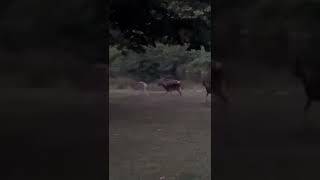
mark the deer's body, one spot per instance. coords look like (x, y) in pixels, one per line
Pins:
(144, 87)
(215, 85)
(214, 88)
(170, 85)
(309, 74)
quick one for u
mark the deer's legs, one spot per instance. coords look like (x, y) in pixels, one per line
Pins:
(179, 91)
(146, 92)
(307, 106)
(306, 112)
(224, 97)
(206, 100)
(221, 95)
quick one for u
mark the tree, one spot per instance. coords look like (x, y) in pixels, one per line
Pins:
(170, 22)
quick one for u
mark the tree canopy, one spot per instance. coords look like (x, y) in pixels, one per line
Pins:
(169, 22)
(159, 38)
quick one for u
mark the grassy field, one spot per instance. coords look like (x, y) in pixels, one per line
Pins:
(159, 135)
(258, 135)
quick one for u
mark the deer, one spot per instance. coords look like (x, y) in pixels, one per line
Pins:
(140, 87)
(310, 78)
(214, 88)
(216, 85)
(170, 85)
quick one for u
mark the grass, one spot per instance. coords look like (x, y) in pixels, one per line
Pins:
(153, 169)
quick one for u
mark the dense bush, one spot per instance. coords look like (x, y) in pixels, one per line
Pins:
(190, 9)
(162, 60)
(178, 22)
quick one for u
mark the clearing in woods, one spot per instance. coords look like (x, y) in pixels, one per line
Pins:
(257, 136)
(159, 135)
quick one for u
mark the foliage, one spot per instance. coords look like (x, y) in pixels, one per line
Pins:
(114, 55)
(168, 21)
(190, 9)
(168, 18)
(158, 61)
(202, 62)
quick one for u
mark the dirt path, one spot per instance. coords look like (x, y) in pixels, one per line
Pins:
(159, 135)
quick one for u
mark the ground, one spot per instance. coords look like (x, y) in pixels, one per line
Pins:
(258, 135)
(159, 135)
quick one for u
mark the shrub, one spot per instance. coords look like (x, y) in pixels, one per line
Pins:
(158, 61)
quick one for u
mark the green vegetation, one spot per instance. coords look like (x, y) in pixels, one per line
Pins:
(132, 55)
(162, 60)
(190, 9)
